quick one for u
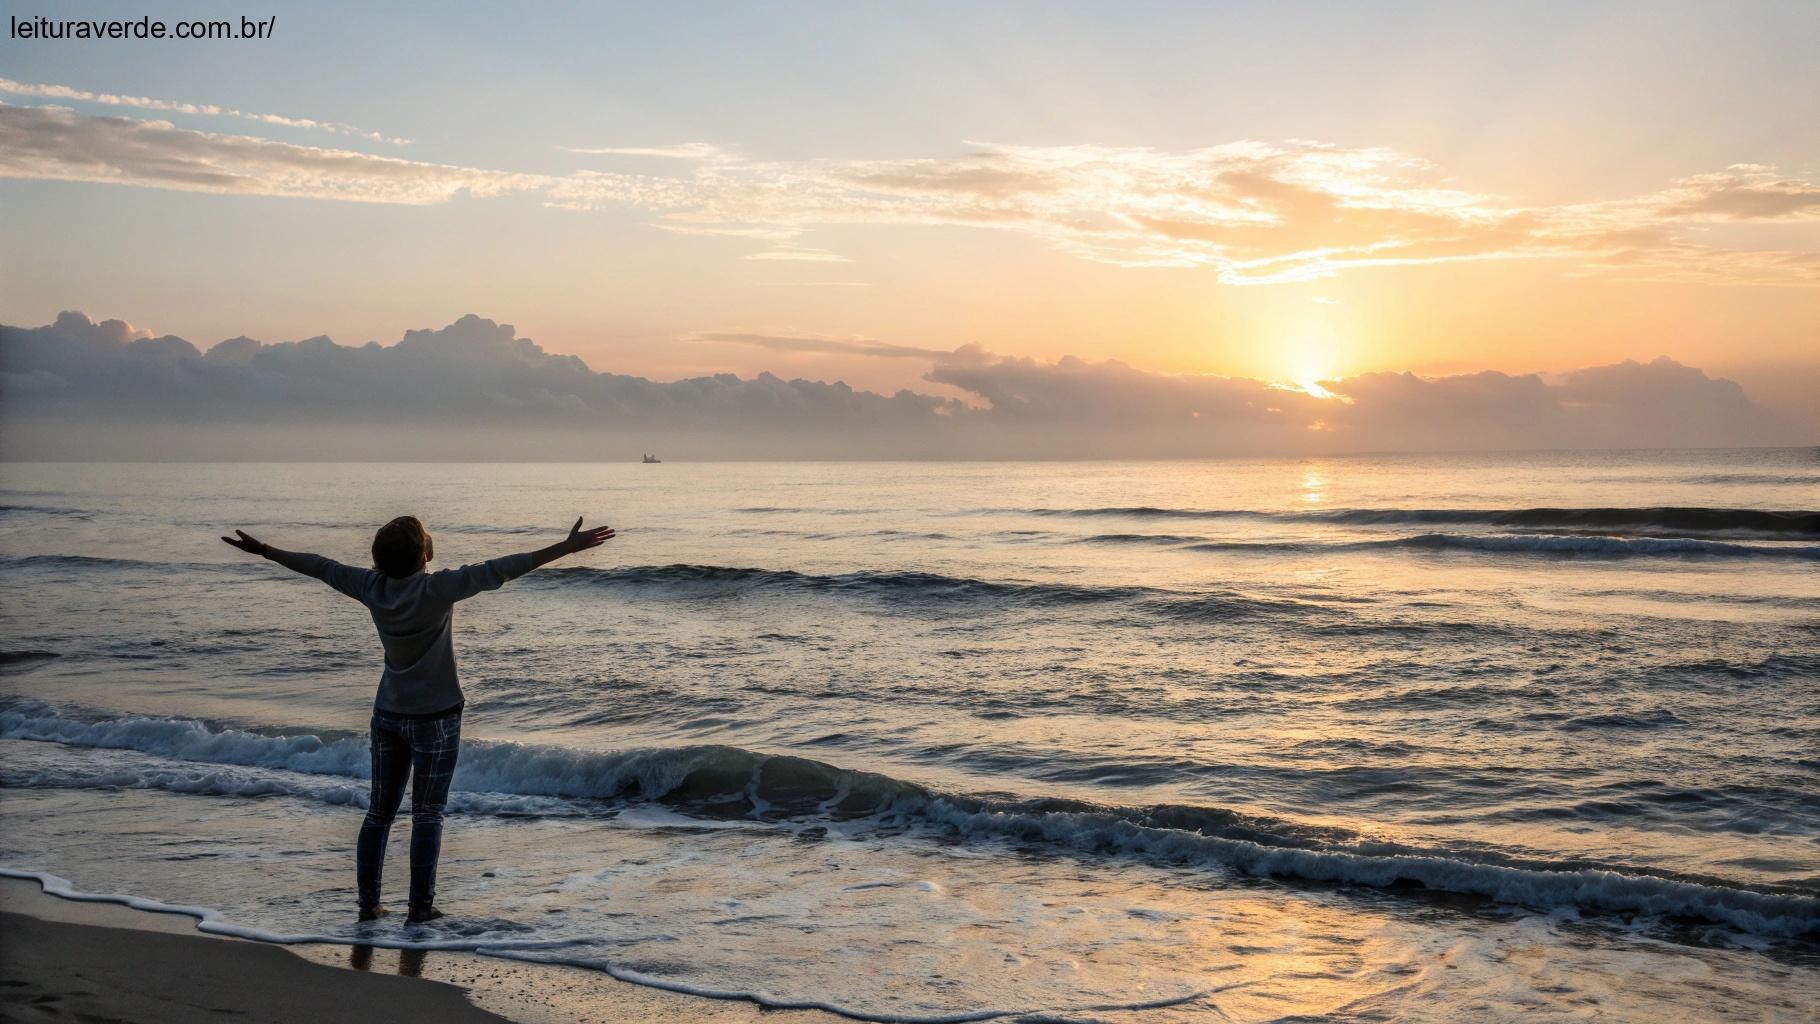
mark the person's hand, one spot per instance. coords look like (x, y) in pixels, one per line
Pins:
(250, 545)
(580, 539)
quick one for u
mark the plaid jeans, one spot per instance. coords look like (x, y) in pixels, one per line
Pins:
(422, 751)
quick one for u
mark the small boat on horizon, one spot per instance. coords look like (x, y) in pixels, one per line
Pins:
(651, 459)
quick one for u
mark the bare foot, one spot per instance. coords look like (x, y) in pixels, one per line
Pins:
(420, 915)
(373, 913)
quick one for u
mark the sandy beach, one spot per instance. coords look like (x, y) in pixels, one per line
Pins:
(100, 962)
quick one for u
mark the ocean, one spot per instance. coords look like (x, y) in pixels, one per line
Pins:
(1369, 738)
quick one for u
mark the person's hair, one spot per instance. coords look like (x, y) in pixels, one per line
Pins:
(401, 547)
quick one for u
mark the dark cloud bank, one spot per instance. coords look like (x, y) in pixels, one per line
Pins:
(77, 389)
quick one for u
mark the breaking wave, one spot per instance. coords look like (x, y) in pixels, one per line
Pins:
(1533, 544)
(720, 579)
(1609, 547)
(1673, 521)
(46, 510)
(509, 778)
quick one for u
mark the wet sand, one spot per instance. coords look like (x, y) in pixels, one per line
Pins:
(102, 963)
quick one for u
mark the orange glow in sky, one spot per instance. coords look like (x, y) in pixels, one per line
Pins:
(1500, 190)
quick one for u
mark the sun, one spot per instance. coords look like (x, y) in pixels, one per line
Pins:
(1312, 385)
(1308, 351)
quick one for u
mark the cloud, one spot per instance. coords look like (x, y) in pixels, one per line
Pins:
(1743, 192)
(857, 347)
(474, 390)
(470, 389)
(798, 256)
(764, 234)
(64, 92)
(699, 151)
(57, 143)
(1625, 405)
(1250, 212)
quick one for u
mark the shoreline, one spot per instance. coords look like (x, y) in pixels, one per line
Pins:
(108, 962)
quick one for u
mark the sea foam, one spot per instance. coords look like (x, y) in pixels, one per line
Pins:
(508, 778)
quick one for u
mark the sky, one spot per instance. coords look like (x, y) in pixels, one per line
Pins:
(896, 198)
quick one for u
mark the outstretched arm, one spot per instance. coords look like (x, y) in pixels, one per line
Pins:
(577, 540)
(345, 578)
(463, 583)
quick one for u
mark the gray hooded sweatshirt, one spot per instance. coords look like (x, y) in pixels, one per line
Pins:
(414, 616)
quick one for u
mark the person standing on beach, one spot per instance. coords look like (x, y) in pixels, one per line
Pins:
(416, 727)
